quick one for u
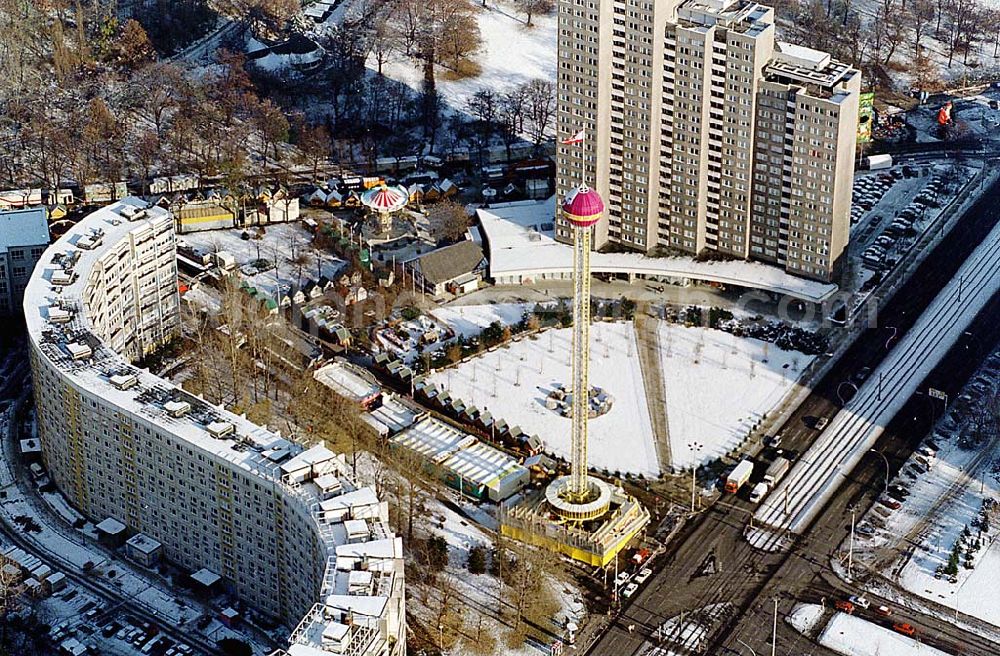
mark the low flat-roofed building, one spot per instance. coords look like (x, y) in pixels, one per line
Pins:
(350, 382)
(143, 550)
(519, 239)
(462, 461)
(111, 532)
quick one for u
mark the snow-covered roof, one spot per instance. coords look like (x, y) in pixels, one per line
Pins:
(111, 526)
(206, 577)
(347, 381)
(28, 227)
(521, 241)
(143, 543)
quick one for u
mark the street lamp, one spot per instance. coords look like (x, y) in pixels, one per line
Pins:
(850, 549)
(695, 448)
(840, 396)
(886, 467)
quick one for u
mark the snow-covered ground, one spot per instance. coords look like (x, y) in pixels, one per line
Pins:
(470, 320)
(287, 245)
(853, 636)
(478, 593)
(717, 385)
(941, 504)
(512, 53)
(514, 381)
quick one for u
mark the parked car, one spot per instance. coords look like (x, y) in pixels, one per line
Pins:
(860, 601)
(844, 606)
(905, 628)
(630, 590)
(900, 490)
(883, 611)
(622, 579)
(643, 575)
(890, 503)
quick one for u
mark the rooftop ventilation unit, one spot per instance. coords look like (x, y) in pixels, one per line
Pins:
(59, 315)
(124, 381)
(79, 351)
(89, 242)
(61, 277)
(220, 429)
(177, 408)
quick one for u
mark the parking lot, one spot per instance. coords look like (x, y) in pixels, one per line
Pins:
(891, 208)
(80, 623)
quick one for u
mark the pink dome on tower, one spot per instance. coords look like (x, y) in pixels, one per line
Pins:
(583, 206)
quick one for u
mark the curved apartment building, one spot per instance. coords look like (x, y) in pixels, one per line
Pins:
(284, 527)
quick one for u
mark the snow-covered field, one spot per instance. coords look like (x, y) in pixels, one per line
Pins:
(513, 382)
(512, 53)
(288, 245)
(717, 385)
(853, 636)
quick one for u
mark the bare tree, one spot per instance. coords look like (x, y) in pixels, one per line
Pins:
(511, 114)
(920, 13)
(448, 219)
(540, 108)
(532, 7)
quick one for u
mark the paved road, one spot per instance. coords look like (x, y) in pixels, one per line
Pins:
(745, 571)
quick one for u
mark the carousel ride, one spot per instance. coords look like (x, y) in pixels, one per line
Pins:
(386, 219)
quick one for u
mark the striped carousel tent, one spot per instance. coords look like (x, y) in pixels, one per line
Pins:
(385, 198)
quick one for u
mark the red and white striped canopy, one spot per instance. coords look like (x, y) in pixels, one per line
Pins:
(385, 198)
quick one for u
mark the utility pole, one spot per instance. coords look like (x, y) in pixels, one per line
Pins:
(774, 629)
(850, 549)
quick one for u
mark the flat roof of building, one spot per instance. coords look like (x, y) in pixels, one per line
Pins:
(485, 465)
(434, 439)
(521, 243)
(111, 526)
(347, 381)
(143, 543)
(459, 452)
(27, 227)
(206, 577)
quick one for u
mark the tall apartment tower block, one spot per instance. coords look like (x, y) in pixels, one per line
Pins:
(704, 133)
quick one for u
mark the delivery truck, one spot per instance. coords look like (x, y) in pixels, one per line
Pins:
(876, 162)
(776, 470)
(739, 476)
